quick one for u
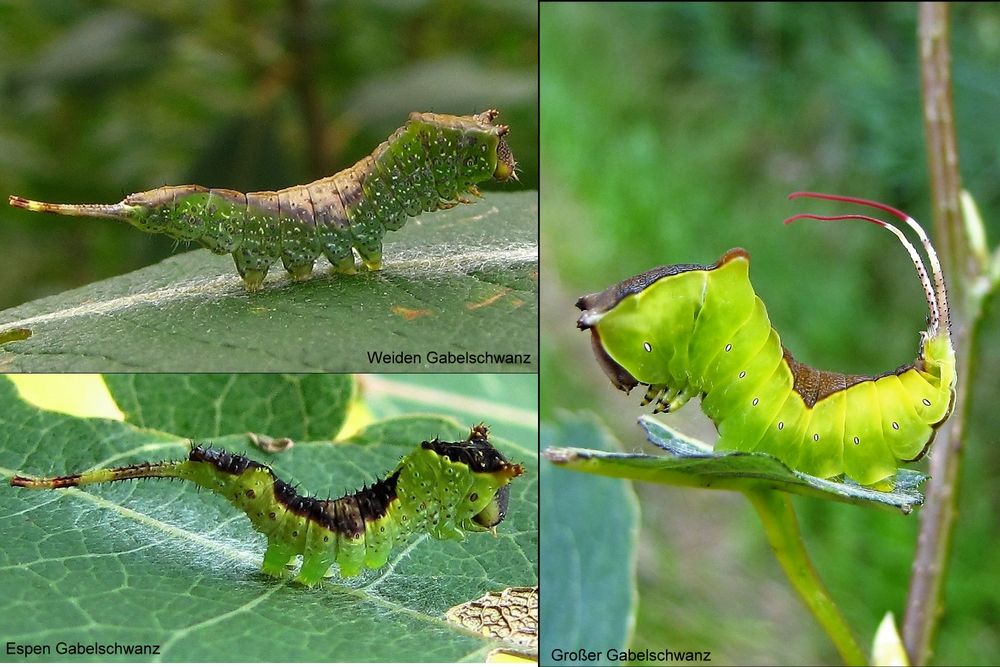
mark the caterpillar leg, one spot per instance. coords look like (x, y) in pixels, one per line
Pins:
(252, 270)
(371, 257)
(665, 402)
(444, 531)
(276, 559)
(367, 240)
(666, 398)
(313, 570)
(299, 272)
(351, 555)
(675, 401)
(651, 393)
(340, 255)
(253, 281)
(344, 265)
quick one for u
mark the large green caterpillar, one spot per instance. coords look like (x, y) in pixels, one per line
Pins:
(689, 329)
(443, 488)
(433, 162)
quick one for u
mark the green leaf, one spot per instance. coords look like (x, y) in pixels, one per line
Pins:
(159, 562)
(589, 541)
(300, 407)
(693, 463)
(460, 281)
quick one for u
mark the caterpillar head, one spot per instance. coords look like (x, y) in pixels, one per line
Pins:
(484, 506)
(594, 307)
(494, 512)
(599, 304)
(506, 168)
(506, 165)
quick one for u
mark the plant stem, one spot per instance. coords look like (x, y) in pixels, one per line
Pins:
(937, 520)
(782, 530)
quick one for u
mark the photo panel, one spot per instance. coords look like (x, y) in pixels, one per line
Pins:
(301, 187)
(395, 517)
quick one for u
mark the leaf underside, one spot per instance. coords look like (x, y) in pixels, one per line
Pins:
(693, 463)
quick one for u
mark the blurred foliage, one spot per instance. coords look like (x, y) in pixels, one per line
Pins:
(101, 99)
(673, 133)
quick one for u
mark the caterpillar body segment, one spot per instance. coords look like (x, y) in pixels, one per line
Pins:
(433, 162)
(445, 489)
(688, 330)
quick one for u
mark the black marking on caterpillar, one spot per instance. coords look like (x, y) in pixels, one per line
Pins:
(433, 162)
(442, 488)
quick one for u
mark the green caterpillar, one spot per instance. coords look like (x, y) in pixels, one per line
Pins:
(688, 330)
(433, 162)
(443, 488)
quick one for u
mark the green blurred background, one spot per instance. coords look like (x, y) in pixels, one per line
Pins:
(674, 132)
(101, 99)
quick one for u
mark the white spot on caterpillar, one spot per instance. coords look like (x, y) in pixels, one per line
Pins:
(647, 347)
(743, 374)
(729, 346)
(781, 425)
(895, 426)
(816, 437)
(756, 401)
(927, 403)
(857, 440)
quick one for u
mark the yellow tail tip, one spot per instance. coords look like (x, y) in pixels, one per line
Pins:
(31, 204)
(21, 202)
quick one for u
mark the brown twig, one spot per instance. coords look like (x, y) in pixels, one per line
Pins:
(924, 604)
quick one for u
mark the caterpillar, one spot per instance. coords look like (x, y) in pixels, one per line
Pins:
(442, 488)
(690, 329)
(433, 162)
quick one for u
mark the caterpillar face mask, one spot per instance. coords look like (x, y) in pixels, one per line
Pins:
(688, 330)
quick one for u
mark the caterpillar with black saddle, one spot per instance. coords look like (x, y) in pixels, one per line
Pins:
(442, 488)
(688, 329)
(433, 162)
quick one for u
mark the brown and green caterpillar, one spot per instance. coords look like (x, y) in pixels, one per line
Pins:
(688, 330)
(442, 488)
(433, 162)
